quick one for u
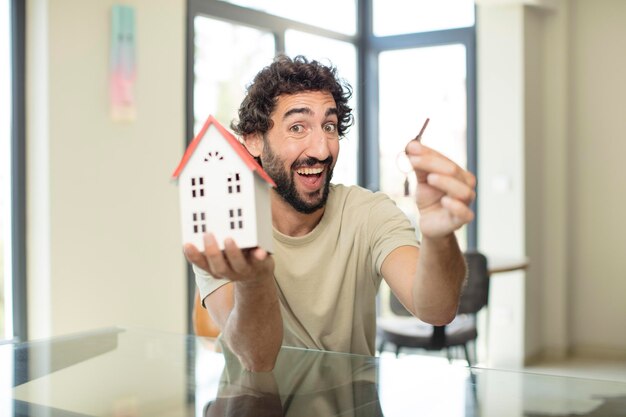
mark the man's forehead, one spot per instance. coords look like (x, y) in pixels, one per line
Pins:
(307, 101)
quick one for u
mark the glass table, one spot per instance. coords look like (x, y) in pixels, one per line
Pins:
(129, 372)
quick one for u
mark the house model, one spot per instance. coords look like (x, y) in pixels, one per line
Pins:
(224, 191)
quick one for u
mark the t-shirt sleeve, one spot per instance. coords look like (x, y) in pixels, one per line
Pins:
(206, 283)
(389, 228)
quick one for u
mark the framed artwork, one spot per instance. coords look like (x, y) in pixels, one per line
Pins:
(122, 72)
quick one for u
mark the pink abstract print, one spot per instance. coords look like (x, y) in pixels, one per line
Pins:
(122, 64)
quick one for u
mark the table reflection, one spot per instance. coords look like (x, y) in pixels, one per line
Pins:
(128, 373)
(303, 383)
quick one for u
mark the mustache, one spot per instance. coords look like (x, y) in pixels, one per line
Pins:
(309, 162)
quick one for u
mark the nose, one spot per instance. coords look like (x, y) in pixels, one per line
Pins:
(319, 146)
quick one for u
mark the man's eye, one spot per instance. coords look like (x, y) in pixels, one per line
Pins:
(330, 127)
(297, 128)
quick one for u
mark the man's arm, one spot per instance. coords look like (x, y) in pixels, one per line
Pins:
(247, 309)
(428, 280)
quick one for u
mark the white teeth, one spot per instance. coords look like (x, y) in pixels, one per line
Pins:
(309, 171)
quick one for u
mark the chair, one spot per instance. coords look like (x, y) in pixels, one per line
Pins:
(404, 330)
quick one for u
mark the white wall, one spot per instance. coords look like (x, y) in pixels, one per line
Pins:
(103, 233)
(596, 177)
(551, 98)
(501, 172)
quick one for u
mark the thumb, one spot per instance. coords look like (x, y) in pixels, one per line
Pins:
(259, 254)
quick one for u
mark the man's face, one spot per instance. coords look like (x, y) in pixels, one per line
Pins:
(300, 150)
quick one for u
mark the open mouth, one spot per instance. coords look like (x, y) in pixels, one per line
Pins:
(310, 177)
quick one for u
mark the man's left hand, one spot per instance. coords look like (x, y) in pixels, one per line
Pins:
(444, 191)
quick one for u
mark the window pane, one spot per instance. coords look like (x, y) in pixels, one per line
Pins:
(395, 17)
(6, 328)
(227, 57)
(343, 56)
(416, 84)
(336, 15)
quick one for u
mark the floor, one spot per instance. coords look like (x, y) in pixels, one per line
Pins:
(579, 367)
(605, 369)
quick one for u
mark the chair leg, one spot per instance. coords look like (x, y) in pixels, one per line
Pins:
(448, 355)
(381, 346)
(397, 350)
(467, 356)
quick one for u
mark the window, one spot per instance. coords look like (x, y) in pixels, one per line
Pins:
(336, 15)
(199, 222)
(406, 61)
(394, 17)
(226, 58)
(438, 92)
(236, 219)
(425, 69)
(197, 187)
(213, 156)
(231, 44)
(234, 183)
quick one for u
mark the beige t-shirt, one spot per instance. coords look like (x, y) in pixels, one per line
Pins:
(327, 280)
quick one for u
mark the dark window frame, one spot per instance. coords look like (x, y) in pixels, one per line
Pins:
(18, 169)
(368, 48)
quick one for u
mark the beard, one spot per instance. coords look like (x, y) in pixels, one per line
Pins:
(286, 185)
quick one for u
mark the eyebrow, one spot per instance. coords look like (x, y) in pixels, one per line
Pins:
(297, 110)
(332, 110)
(307, 110)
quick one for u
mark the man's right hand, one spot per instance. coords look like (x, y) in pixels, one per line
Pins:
(245, 266)
(247, 311)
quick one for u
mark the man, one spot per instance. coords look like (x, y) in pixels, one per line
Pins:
(333, 244)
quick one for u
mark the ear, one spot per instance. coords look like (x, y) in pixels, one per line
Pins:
(254, 144)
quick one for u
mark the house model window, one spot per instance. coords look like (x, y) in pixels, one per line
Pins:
(230, 198)
(199, 224)
(197, 187)
(234, 183)
(236, 219)
(213, 156)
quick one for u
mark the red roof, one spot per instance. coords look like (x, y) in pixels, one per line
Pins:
(238, 147)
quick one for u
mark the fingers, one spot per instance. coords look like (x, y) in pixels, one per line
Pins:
(235, 257)
(426, 159)
(232, 263)
(424, 164)
(445, 190)
(441, 172)
(218, 266)
(259, 254)
(194, 256)
(452, 187)
(460, 212)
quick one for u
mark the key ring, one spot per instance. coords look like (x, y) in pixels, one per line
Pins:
(403, 163)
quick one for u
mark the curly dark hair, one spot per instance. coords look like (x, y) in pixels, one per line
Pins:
(290, 76)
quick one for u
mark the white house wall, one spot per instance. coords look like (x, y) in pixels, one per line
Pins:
(263, 214)
(217, 205)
